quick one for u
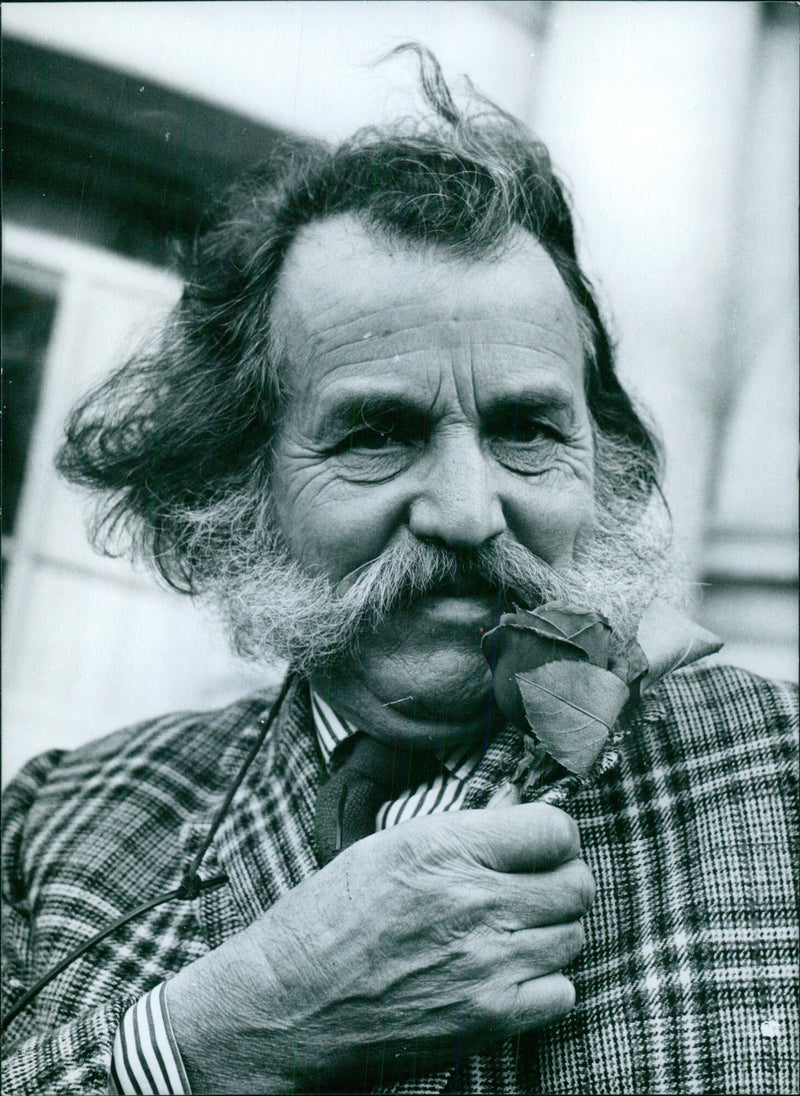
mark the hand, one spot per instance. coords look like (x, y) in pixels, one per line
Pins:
(446, 929)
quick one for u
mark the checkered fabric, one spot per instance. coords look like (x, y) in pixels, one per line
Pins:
(687, 982)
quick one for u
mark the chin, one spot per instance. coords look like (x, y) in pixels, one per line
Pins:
(438, 682)
(436, 693)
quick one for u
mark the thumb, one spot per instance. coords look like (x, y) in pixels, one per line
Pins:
(528, 837)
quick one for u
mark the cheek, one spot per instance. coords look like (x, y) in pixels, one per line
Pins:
(334, 528)
(550, 521)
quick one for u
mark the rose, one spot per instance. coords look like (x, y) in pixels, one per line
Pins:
(561, 675)
(527, 639)
(551, 677)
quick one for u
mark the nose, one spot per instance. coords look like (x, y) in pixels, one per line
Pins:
(457, 502)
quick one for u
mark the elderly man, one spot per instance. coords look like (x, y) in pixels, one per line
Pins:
(384, 435)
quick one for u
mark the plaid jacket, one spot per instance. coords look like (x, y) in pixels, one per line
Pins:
(687, 981)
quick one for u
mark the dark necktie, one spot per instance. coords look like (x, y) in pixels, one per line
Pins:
(371, 774)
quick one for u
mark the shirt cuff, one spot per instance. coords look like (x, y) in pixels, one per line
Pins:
(145, 1060)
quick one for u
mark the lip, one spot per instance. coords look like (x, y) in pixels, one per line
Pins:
(474, 610)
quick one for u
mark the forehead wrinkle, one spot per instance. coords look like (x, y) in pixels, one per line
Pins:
(470, 335)
(501, 371)
(492, 317)
(311, 300)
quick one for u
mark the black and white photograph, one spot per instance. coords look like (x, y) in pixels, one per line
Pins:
(400, 548)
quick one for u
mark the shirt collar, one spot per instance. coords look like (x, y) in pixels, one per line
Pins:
(332, 729)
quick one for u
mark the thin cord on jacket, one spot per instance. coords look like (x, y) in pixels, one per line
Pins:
(190, 885)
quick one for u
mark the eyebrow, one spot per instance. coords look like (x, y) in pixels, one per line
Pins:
(355, 404)
(346, 410)
(547, 397)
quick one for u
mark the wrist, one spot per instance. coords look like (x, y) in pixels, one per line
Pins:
(216, 1010)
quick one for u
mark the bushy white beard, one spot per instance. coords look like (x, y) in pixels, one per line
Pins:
(273, 607)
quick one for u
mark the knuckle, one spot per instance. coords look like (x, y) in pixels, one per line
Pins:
(563, 996)
(434, 840)
(575, 939)
(407, 851)
(564, 835)
(488, 1008)
(414, 848)
(582, 886)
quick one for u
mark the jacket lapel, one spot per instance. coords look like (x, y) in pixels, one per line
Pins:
(265, 842)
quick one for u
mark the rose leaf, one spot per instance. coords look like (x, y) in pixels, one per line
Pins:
(571, 707)
(670, 640)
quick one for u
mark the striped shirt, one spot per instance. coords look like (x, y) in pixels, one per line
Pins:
(146, 1058)
(445, 792)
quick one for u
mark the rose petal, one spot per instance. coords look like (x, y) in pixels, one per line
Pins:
(588, 630)
(511, 650)
(571, 708)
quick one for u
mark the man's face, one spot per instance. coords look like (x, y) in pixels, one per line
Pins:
(434, 397)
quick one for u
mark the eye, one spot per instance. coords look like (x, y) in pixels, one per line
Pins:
(369, 438)
(523, 426)
(378, 443)
(524, 440)
(374, 431)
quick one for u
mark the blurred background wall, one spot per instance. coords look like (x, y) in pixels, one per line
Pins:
(675, 126)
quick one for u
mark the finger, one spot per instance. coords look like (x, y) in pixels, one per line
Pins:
(543, 1001)
(532, 953)
(516, 902)
(525, 838)
(525, 1005)
(509, 959)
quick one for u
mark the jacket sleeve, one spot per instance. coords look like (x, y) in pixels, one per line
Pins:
(39, 1058)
